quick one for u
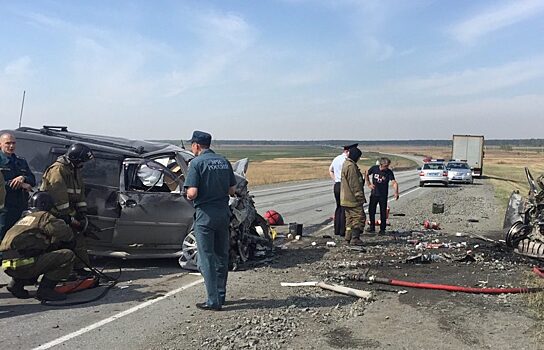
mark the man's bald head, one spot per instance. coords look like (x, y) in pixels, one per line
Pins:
(7, 143)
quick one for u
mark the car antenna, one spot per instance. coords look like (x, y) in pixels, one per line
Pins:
(22, 106)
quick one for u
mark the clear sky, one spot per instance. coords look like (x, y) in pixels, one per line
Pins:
(277, 69)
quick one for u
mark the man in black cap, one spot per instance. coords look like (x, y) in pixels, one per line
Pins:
(335, 170)
(210, 181)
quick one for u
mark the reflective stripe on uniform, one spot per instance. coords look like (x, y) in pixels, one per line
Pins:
(1, 206)
(15, 263)
(81, 204)
(63, 206)
(72, 191)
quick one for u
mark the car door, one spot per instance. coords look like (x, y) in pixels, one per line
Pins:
(154, 212)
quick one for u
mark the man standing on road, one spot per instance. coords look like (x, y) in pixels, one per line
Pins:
(18, 179)
(210, 181)
(63, 180)
(352, 197)
(335, 172)
(381, 175)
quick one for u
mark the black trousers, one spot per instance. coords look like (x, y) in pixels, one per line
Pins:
(372, 205)
(339, 214)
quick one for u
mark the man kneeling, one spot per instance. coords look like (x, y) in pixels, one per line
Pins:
(30, 249)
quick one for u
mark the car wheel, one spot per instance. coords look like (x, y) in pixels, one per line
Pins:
(446, 184)
(189, 257)
(421, 184)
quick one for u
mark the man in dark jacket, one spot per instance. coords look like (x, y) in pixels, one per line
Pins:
(209, 183)
(30, 249)
(18, 179)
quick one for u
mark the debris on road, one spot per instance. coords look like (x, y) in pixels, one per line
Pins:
(332, 287)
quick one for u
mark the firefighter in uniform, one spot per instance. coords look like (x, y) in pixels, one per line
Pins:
(30, 250)
(352, 197)
(63, 180)
(209, 183)
(18, 181)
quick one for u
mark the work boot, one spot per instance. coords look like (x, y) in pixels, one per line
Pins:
(356, 241)
(46, 291)
(17, 288)
(370, 229)
(356, 237)
(347, 236)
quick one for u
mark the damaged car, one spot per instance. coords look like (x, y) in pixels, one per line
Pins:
(135, 196)
(524, 219)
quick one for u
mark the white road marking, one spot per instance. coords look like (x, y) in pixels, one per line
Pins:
(116, 316)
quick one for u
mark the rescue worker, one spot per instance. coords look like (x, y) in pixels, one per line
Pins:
(209, 183)
(335, 172)
(19, 181)
(63, 180)
(30, 250)
(352, 197)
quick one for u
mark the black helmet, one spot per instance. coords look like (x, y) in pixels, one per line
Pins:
(41, 201)
(79, 153)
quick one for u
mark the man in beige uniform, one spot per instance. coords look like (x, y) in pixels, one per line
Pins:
(31, 248)
(352, 197)
(63, 180)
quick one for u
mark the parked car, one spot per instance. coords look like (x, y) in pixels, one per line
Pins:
(459, 172)
(433, 172)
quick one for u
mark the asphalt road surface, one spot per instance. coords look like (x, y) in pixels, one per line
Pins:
(153, 295)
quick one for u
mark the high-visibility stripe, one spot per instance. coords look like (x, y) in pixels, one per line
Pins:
(1, 206)
(73, 191)
(63, 206)
(15, 263)
(81, 204)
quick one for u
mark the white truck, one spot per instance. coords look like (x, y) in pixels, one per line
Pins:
(470, 149)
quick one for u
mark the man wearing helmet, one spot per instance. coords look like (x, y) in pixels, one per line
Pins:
(31, 248)
(63, 180)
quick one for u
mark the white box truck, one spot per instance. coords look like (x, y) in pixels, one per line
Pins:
(469, 148)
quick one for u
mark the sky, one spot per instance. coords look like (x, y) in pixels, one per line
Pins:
(275, 69)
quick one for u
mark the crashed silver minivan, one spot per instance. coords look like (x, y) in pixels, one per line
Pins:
(133, 189)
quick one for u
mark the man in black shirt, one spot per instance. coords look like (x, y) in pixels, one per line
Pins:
(380, 175)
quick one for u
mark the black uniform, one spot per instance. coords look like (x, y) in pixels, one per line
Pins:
(16, 200)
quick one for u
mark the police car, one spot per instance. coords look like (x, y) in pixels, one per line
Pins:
(433, 172)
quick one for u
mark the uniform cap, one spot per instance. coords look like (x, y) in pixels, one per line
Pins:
(201, 137)
(348, 147)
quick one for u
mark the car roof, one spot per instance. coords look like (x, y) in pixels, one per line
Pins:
(110, 144)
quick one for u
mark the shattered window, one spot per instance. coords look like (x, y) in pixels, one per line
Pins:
(100, 171)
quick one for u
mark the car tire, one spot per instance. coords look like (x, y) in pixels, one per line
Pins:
(189, 257)
(446, 184)
(421, 184)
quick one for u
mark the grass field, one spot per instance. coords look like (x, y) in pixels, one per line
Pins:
(275, 164)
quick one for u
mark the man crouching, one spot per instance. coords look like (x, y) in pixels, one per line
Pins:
(352, 197)
(30, 249)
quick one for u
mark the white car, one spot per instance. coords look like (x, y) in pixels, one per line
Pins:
(459, 172)
(433, 172)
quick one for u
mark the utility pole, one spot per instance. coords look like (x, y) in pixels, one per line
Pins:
(22, 106)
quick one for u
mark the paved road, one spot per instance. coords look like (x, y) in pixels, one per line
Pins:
(153, 294)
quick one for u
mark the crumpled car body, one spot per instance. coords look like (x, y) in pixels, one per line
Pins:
(524, 219)
(134, 190)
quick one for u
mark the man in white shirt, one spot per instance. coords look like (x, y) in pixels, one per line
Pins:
(335, 171)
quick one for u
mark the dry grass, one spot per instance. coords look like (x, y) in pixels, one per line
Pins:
(310, 168)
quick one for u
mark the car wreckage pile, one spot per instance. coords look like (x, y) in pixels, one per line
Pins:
(249, 232)
(524, 219)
